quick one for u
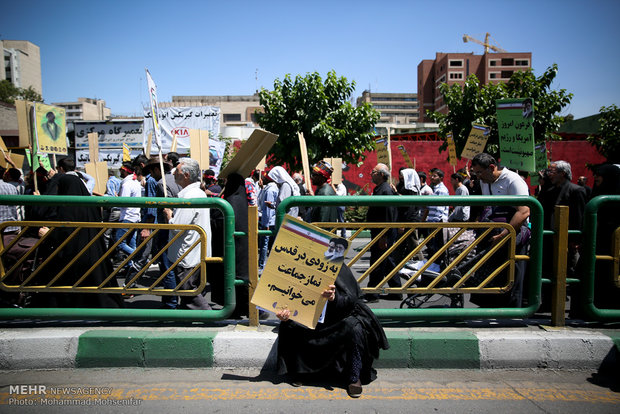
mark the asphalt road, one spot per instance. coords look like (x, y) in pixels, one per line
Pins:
(395, 391)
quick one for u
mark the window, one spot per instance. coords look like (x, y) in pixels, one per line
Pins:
(508, 62)
(232, 117)
(456, 75)
(456, 64)
(522, 62)
(492, 62)
(506, 74)
(493, 75)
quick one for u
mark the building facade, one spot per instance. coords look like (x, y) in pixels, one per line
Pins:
(85, 109)
(454, 68)
(399, 112)
(22, 64)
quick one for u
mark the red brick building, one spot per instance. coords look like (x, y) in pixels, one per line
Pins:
(453, 68)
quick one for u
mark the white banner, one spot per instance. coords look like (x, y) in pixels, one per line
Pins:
(114, 157)
(111, 134)
(154, 108)
(179, 120)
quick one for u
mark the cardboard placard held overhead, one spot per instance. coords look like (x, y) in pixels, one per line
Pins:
(476, 141)
(24, 122)
(383, 152)
(99, 171)
(199, 147)
(305, 163)
(93, 146)
(451, 149)
(250, 153)
(149, 143)
(262, 164)
(17, 159)
(336, 164)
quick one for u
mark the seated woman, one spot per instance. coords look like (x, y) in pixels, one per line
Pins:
(345, 344)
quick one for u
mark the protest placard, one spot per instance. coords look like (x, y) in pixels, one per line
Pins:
(383, 151)
(250, 153)
(451, 149)
(515, 121)
(403, 151)
(51, 129)
(303, 149)
(476, 141)
(303, 262)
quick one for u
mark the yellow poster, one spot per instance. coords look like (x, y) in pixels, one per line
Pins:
(476, 141)
(451, 149)
(303, 262)
(51, 131)
(403, 151)
(383, 151)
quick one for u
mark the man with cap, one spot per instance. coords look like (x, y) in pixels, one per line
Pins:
(320, 175)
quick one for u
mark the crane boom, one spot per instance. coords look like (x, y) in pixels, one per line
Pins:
(486, 44)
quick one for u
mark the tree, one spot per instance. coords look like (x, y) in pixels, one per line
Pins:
(331, 126)
(607, 140)
(474, 102)
(9, 92)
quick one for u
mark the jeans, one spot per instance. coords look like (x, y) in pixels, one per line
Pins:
(169, 282)
(129, 244)
(264, 245)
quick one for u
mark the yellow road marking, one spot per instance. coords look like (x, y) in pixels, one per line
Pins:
(315, 393)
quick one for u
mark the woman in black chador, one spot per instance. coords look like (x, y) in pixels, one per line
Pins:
(342, 348)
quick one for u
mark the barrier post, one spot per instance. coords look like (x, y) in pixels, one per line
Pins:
(560, 251)
(253, 261)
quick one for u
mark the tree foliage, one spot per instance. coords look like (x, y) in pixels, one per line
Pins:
(331, 125)
(607, 140)
(9, 92)
(474, 102)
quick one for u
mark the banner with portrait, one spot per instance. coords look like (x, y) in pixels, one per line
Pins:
(50, 129)
(515, 122)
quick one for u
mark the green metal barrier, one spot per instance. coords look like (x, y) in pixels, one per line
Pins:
(590, 258)
(135, 314)
(533, 277)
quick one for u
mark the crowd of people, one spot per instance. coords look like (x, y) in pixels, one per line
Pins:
(350, 338)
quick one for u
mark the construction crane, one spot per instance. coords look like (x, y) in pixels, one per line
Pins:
(486, 43)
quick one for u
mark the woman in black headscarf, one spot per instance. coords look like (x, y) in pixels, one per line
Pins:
(235, 194)
(345, 344)
(71, 185)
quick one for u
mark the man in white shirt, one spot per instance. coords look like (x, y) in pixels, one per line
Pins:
(130, 187)
(496, 180)
(187, 175)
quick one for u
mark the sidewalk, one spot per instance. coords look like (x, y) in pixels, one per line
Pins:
(239, 346)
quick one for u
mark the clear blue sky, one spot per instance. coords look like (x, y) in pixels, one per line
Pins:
(100, 49)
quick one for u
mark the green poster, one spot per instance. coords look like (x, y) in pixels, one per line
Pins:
(541, 161)
(515, 121)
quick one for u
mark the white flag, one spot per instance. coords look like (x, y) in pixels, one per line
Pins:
(154, 107)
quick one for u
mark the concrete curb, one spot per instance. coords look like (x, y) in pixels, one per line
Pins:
(242, 347)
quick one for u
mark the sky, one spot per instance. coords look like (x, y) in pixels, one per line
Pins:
(230, 47)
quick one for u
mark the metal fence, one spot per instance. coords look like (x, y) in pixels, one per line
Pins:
(41, 280)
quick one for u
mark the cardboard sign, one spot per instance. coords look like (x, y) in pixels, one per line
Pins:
(336, 164)
(262, 164)
(305, 163)
(451, 149)
(51, 130)
(93, 145)
(199, 147)
(24, 122)
(383, 152)
(126, 153)
(250, 153)
(303, 262)
(515, 121)
(99, 171)
(403, 151)
(476, 141)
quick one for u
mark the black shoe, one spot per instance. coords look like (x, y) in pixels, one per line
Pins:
(355, 390)
(370, 298)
